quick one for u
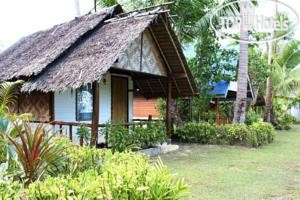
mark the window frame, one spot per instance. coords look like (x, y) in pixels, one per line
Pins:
(77, 90)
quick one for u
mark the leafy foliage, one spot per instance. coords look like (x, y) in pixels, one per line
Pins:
(264, 131)
(35, 150)
(121, 138)
(258, 68)
(79, 159)
(112, 181)
(203, 133)
(152, 134)
(252, 117)
(84, 134)
(8, 94)
(255, 135)
(286, 120)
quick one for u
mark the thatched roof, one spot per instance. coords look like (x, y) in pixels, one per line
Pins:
(30, 55)
(81, 65)
(81, 51)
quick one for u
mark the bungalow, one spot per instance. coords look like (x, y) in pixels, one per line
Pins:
(226, 91)
(86, 70)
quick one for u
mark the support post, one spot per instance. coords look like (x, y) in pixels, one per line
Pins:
(95, 114)
(218, 112)
(70, 132)
(168, 110)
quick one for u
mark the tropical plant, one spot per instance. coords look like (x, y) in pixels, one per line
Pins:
(289, 58)
(36, 153)
(252, 117)
(84, 134)
(114, 181)
(153, 133)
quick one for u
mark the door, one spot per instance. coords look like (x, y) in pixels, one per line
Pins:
(119, 98)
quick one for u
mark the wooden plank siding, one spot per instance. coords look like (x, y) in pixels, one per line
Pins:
(143, 107)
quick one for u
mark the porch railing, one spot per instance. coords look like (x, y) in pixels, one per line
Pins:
(66, 128)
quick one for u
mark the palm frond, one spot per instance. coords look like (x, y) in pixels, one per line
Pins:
(9, 92)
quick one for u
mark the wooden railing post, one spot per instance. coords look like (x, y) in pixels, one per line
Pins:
(70, 132)
(95, 115)
(60, 129)
(168, 110)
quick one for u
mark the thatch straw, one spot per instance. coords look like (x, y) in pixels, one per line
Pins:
(92, 58)
(81, 51)
(30, 55)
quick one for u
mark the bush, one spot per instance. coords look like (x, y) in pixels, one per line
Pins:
(286, 120)
(10, 189)
(121, 138)
(150, 135)
(235, 133)
(203, 133)
(209, 116)
(264, 131)
(113, 181)
(252, 117)
(84, 134)
(79, 159)
(255, 135)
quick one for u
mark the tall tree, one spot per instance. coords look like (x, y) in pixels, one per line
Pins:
(242, 78)
(268, 99)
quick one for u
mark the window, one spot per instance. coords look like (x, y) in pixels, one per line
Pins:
(84, 103)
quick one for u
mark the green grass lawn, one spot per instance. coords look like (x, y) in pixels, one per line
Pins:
(233, 172)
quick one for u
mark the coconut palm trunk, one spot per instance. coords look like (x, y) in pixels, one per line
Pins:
(241, 95)
(269, 112)
(242, 76)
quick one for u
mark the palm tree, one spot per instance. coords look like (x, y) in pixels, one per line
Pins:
(242, 76)
(286, 69)
(284, 76)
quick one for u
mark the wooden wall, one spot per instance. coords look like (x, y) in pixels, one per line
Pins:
(39, 104)
(143, 107)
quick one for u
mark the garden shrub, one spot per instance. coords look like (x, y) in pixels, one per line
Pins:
(80, 159)
(252, 117)
(121, 138)
(235, 133)
(83, 134)
(151, 134)
(255, 135)
(204, 133)
(123, 176)
(286, 120)
(10, 189)
(209, 116)
(264, 131)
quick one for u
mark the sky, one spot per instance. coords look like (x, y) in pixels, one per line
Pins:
(19, 18)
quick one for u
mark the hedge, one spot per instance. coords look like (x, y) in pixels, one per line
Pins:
(254, 135)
